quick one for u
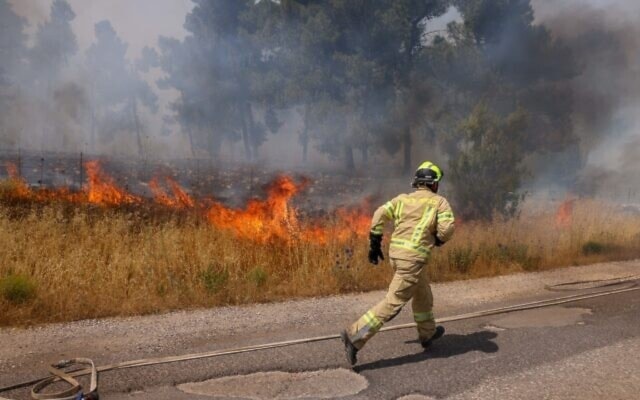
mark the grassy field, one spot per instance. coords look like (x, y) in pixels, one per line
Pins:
(61, 261)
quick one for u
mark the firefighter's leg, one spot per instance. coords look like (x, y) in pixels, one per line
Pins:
(400, 291)
(422, 305)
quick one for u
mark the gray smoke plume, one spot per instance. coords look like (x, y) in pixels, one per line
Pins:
(54, 97)
(604, 37)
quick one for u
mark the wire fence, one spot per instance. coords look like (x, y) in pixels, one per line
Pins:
(206, 177)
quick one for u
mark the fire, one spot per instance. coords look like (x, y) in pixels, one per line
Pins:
(565, 212)
(20, 187)
(261, 220)
(103, 190)
(178, 198)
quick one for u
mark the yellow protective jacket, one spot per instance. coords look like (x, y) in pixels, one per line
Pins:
(418, 218)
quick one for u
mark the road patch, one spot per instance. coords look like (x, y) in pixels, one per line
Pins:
(323, 384)
(542, 318)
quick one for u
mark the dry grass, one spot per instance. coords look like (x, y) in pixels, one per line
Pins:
(74, 262)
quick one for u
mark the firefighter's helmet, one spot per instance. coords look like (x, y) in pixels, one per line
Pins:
(427, 174)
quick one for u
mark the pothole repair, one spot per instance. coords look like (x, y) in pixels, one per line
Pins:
(325, 384)
(542, 317)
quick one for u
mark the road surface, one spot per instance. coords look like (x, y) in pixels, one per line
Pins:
(583, 350)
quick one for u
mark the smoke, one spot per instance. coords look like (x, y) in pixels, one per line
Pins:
(54, 105)
(63, 106)
(604, 38)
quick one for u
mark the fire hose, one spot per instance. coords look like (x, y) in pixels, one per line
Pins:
(57, 372)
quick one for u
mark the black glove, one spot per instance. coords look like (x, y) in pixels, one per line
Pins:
(438, 242)
(375, 248)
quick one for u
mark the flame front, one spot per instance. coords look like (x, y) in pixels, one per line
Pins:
(265, 221)
(262, 220)
(178, 198)
(103, 190)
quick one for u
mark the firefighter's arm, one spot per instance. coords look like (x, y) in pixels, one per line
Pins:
(383, 214)
(445, 223)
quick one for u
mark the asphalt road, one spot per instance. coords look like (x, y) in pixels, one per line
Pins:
(583, 350)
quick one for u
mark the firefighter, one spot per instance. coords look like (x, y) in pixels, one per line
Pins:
(422, 220)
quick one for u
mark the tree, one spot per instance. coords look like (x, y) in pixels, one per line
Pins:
(54, 44)
(352, 61)
(405, 23)
(224, 72)
(499, 84)
(487, 171)
(12, 52)
(117, 88)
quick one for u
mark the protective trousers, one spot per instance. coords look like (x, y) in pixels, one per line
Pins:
(410, 281)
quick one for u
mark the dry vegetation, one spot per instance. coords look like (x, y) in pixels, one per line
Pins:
(64, 262)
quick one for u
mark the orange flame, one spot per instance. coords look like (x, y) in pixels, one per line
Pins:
(262, 220)
(20, 187)
(103, 190)
(178, 199)
(564, 215)
(268, 220)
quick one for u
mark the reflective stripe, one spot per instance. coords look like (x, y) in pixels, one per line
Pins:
(427, 215)
(388, 207)
(372, 321)
(399, 209)
(423, 316)
(378, 230)
(407, 245)
(446, 216)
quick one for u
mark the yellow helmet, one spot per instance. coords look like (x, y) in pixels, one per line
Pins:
(427, 174)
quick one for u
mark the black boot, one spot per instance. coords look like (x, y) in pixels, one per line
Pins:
(349, 349)
(439, 332)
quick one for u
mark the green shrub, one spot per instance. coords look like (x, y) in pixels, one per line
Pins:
(213, 279)
(257, 276)
(17, 289)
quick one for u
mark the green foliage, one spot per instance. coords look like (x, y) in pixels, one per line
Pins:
(486, 170)
(258, 276)
(17, 289)
(214, 279)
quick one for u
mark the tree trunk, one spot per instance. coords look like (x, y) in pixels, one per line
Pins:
(365, 154)
(304, 136)
(136, 122)
(246, 140)
(406, 140)
(349, 163)
(191, 144)
(253, 141)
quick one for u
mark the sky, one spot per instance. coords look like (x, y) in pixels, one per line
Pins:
(138, 22)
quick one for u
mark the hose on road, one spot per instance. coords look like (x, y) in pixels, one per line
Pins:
(626, 284)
